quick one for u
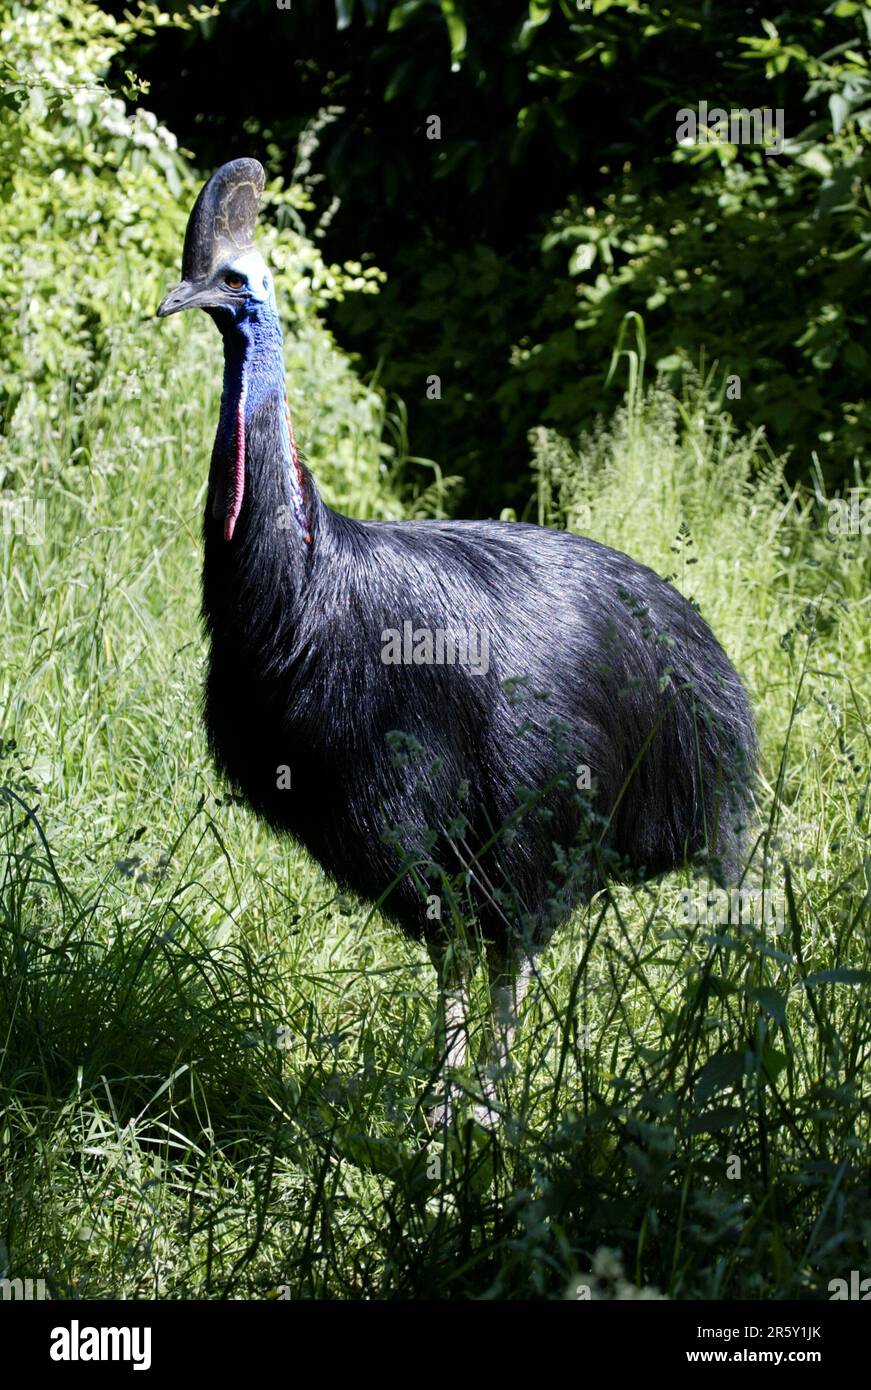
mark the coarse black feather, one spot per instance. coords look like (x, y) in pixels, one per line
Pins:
(593, 660)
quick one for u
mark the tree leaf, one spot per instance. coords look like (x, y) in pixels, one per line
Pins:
(539, 13)
(722, 1071)
(841, 976)
(344, 13)
(714, 1120)
(456, 29)
(840, 110)
(770, 1000)
(401, 14)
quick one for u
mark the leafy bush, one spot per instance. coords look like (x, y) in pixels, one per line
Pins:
(95, 195)
(760, 261)
(556, 200)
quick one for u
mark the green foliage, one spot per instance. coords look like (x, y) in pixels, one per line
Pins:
(94, 207)
(760, 260)
(91, 216)
(557, 200)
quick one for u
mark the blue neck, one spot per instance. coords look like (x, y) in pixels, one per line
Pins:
(254, 378)
(253, 362)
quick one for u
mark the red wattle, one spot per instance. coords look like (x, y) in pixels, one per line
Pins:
(237, 491)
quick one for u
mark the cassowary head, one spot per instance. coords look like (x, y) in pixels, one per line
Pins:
(221, 271)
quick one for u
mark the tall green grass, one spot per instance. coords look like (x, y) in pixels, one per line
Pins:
(213, 1066)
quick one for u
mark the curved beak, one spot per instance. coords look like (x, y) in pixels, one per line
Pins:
(188, 296)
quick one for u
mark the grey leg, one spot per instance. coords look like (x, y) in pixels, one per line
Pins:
(509, 981)
(510, 972)
(452, 972)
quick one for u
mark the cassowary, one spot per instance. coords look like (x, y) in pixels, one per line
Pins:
(466, 722)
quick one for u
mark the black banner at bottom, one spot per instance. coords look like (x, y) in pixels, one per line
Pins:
(63, 1339)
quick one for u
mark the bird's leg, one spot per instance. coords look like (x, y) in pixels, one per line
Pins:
(452, 971)
(456, 1030)
(508, 986)
(510, 971)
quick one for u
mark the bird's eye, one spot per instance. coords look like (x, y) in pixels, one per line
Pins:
(234, 282)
